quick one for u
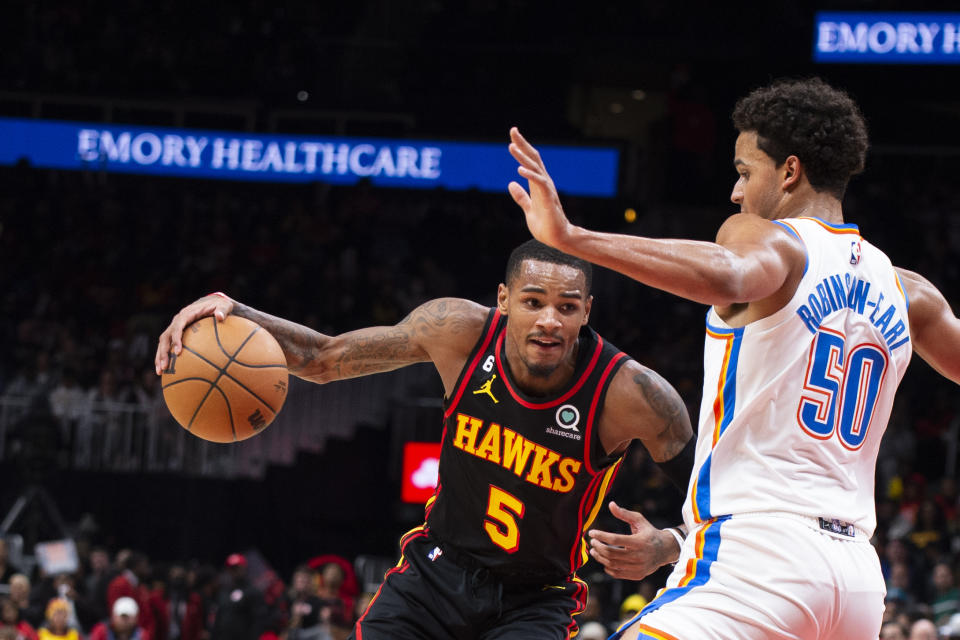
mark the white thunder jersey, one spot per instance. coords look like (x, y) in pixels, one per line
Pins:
(794, 405)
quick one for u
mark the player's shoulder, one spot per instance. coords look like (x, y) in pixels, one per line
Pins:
(921, 294)
(449, 316)
(744, 224)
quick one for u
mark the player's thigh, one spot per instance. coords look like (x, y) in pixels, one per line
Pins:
(758, 579)
(863, 593)
(418, 600)
(539, 613)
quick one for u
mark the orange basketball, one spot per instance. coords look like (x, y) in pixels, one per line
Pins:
(229, 381)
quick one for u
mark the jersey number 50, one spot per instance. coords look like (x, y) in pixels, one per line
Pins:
(841, 386)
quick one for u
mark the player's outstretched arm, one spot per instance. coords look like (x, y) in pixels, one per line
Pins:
(751, 260)
(934, 329)
(443, 331)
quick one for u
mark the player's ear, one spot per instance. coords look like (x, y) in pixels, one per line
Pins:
(503, 294)
(792, 171)
(586, 309)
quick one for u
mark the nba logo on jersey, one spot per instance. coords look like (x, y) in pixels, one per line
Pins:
(436, 553)
(855, 252)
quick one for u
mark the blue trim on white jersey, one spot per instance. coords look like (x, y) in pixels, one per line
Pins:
(806, 253)
(711, 548)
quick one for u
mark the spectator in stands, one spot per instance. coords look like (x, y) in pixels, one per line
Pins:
(198, 614)
(57, 625)
(946, 595)
(304, 603)
(10, 619)
(158, 605)
(241, 613)
(893, 630)
(924, 629)
(123, 623)
(97, 579)
(20, 595)
(131, 582)
(335, 610)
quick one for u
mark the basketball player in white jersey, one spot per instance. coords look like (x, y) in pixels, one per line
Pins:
(809, 333)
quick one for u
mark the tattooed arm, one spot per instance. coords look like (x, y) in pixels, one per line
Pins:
(442, 331)
(640, 404)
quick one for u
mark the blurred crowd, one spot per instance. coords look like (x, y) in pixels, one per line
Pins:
(93, 265)
(124, 596)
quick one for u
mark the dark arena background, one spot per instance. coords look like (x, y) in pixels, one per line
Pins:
(99, 248)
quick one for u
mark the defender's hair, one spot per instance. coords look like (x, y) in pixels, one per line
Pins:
(535, 250)
(819, 124)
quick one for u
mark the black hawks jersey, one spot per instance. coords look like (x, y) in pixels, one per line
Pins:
(522, 478)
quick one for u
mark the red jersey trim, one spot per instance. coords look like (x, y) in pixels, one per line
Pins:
(601, 387)
(491, 330)
(586, 504)
(552, 403)
(401, 567)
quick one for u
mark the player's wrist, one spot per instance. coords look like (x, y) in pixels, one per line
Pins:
(676, 535)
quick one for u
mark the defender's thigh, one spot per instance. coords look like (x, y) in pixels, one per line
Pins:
(755, 578)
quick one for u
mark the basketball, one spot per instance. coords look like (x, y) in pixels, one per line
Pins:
(229, 381)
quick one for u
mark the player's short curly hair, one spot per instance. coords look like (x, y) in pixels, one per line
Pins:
(535, 250)
(819, 124)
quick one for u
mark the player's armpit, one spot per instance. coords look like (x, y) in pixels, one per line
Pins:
(642, 405)
(934, 329)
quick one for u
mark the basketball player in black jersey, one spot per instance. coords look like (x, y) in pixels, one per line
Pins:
(538, 411)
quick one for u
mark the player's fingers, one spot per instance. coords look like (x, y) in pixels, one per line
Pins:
(631, 517)
(536, 177)
(522, 157)
(163, 347)
(611, 539)
(519, 195)
(525, 145)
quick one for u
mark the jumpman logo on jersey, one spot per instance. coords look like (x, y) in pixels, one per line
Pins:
(485, 388)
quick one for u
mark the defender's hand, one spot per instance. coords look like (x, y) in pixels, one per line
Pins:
(545, 217)
(215, 304)
(636, 555)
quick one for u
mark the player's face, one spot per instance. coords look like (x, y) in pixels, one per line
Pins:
(546, 305)
(758, 189)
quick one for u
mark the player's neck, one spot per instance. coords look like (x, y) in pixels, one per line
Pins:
(812, 204)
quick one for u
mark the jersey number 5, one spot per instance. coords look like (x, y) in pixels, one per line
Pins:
(841, 386)
(503, 511)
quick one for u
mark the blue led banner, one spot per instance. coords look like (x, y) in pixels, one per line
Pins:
(588, 171)
(902, 38)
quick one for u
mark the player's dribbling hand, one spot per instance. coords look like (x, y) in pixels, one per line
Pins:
(545, 217)
(215, 304)
(636, 555)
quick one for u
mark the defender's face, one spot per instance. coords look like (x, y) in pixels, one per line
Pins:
(546, 305)
(757, 191)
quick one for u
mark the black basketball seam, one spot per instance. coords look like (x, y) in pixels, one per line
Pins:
(226, 399)
(232, 358)
(222, 371)
(200, 404)
(170, 384)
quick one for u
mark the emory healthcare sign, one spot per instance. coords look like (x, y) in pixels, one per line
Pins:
(588, 171)
(904, 38)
